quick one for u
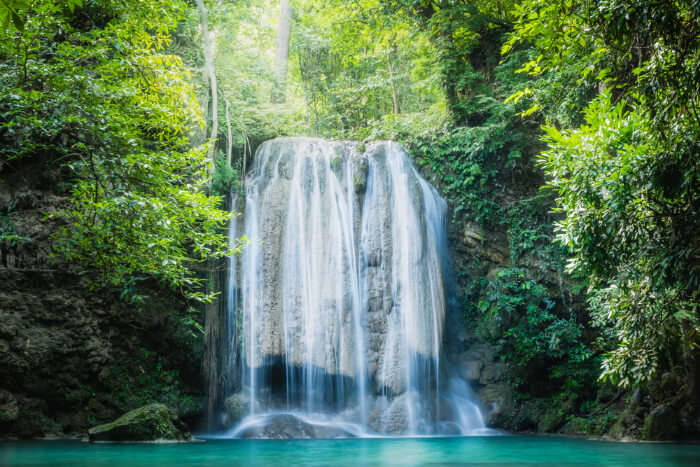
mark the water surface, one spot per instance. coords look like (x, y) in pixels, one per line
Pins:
(468, 451)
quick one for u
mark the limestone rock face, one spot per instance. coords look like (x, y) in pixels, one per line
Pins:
(343, 278)
(314, 208)
(67, 350)
(152, 422)
(342, 294)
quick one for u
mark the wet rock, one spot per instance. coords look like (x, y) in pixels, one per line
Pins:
(303, 186)
(636, 398)
(288, 426)
(237, 406)
(576, 426)
(495, 256)
(627, 425)
(390, 416)
(490, 246)
(472, 235)
(498, 402)
(149, 423)
(486, 353)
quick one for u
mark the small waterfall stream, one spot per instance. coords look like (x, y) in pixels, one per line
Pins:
(337, 304)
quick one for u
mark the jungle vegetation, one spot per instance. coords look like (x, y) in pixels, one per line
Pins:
(573, 126)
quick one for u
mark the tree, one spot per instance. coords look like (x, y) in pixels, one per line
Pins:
(627, 179)
(91, 87)
(210, 78)
(284, 30)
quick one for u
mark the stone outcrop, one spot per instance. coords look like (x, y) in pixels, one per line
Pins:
(154, 422)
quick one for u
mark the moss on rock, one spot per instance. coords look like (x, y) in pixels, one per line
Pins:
(149, 423)
(661, 424)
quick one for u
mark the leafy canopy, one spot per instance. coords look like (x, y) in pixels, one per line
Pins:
(90, 86)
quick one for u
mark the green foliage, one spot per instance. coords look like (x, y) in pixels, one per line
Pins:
(624, 227)
(8, 233)
(145, 378)
(521, 315)
(90, 86)
(627, 178)
(245, 40)
(365, 73)
(101, 88)
(484, 166)
(226, 179)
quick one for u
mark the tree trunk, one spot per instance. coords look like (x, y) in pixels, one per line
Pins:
(284, 31)
(394, 92)
(229, 135)
(210, 76)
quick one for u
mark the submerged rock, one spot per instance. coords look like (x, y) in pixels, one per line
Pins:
(149, 423)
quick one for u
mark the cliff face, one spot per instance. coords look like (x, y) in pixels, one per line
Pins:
(72, 356)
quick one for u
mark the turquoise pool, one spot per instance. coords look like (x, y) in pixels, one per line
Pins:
(470, 451)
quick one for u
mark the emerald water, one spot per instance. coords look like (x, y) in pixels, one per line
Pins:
(491, 451)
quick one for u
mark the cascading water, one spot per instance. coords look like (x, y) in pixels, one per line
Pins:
(337, 305)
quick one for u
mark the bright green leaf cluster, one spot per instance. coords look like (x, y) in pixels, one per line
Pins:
(91, 87)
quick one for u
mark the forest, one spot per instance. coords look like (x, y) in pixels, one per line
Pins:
(564, 137)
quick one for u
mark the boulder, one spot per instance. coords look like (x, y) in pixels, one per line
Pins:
(148, 423)
(499, 404)
(288, 426)
(661, 424)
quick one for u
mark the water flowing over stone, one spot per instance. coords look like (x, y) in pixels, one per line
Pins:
(337, 304)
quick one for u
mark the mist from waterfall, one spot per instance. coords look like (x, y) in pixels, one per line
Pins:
(337, 304)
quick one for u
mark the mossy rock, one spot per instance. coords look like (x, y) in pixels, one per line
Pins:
(662, 424)
(576, 426)
(337, 165)
(550, 420)
(237, 406)
(149, 423)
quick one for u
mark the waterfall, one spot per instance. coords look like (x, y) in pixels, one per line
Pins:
(340, 297)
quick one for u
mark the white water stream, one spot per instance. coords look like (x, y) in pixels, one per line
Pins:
(339, 297)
